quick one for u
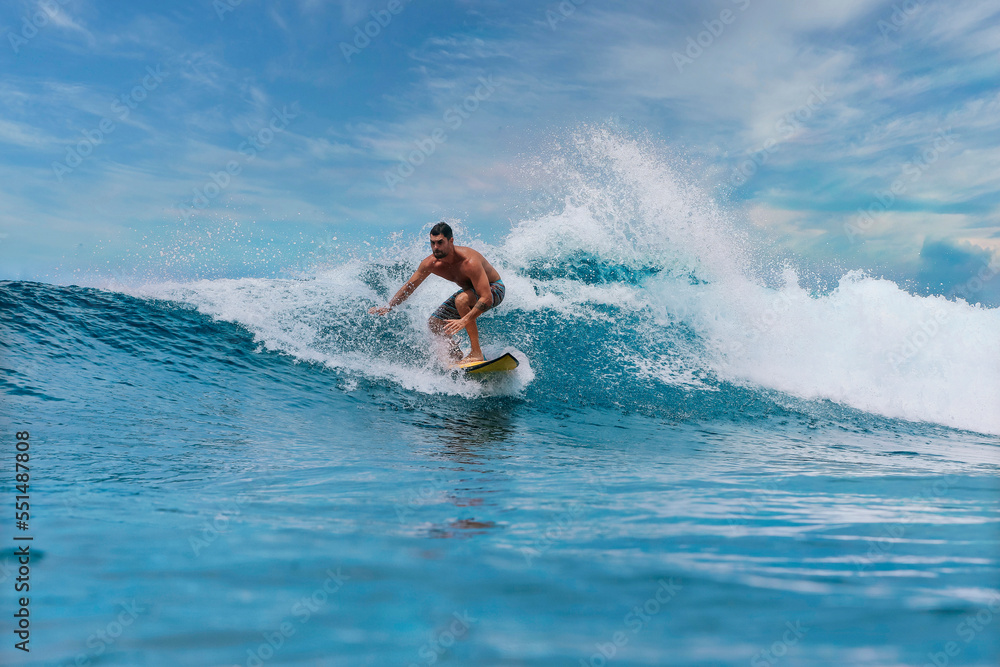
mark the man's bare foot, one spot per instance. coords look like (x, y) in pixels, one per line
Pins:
(470, 357)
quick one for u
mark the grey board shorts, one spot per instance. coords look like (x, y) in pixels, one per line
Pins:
(448, 311)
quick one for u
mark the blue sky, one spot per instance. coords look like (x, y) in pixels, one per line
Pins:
(118, 123)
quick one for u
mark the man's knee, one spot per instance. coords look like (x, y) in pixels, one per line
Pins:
(465, 299)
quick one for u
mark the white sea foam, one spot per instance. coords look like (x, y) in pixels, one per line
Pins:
(867, 344)
(290, 316)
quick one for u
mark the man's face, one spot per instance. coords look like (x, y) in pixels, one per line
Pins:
(441, 247)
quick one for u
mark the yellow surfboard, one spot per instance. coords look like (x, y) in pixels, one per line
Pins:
(505, 363)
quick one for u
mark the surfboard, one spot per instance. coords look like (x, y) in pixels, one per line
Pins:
(506, 362)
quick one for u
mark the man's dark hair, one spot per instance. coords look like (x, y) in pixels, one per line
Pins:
(441, 229)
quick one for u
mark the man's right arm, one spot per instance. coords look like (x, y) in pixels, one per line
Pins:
(407, 289)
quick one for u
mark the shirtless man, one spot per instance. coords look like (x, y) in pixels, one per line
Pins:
(481, 285)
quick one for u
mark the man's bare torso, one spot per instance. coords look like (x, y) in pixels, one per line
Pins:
(460, 271)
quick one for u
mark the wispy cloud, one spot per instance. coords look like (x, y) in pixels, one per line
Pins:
(19, 134)
(754, 84)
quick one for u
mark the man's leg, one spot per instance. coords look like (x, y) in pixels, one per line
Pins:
(445, 345)
(464, 302)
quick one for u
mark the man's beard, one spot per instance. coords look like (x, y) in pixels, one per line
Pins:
(440, 254)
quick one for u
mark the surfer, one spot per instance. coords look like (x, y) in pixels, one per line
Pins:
(481, 285)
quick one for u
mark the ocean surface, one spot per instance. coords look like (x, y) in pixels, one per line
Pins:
(703, 459)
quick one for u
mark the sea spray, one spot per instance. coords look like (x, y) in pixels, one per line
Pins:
(636, 290)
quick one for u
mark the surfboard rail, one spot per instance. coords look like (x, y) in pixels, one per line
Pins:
(505, 362)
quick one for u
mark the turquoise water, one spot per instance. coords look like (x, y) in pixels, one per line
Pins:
(694, 464)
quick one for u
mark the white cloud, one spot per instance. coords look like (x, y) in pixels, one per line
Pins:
(606, 60)
(62, 19)
(19, 134)
(971, 26)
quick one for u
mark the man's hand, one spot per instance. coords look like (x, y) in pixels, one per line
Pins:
(452, 327)
(378, 310)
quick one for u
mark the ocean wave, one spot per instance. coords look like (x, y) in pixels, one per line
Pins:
(637, 292)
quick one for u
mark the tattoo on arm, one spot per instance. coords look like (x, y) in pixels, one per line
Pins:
(482, 306)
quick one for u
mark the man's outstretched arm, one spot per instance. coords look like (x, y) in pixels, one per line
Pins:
(406, 290)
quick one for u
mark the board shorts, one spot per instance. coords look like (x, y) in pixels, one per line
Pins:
(448, 311)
